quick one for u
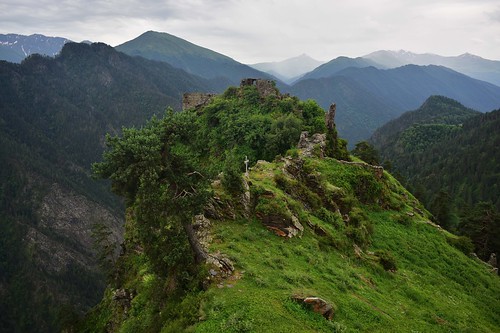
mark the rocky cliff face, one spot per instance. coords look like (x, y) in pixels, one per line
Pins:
(53, 273)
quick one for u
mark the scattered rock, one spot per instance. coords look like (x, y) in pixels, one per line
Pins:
(358, 251)
(317, 304)
(282, 226)
(493, 260)
(318, 230)
(218, 209)
(124, 298)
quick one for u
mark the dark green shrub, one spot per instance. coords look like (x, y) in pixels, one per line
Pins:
(330, 217)
(462, 243)
(232, 179)
(386, 259)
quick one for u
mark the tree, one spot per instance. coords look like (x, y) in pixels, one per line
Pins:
(442, 208)
(366, 152)
(482, 225)
(158, 170)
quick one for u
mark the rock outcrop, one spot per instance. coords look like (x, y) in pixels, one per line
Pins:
(317, 305)
(312, 146)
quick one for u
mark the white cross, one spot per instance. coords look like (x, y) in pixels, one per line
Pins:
(246, 166)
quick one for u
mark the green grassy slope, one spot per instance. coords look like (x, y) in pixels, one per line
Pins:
(434, 288)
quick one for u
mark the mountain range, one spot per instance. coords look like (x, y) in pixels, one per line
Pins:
(289, 70)
(196, 60)
(15, 48)
(369, 97)
(468, 64)
(368, 93)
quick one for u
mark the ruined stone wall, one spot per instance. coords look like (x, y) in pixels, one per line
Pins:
(264, 87)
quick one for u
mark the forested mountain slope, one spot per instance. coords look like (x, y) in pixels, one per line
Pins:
(194, 59)
(443, 145)
(54, 114)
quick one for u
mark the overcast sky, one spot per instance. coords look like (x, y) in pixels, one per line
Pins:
(271, 30)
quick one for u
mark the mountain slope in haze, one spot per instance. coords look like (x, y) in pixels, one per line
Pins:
(14, 47)
(290, 69)
(336, 65)
(360, 111)
(189, 57)
(468, 64)
(374, 96)
(261, 251)
(409, 86)
(54, 114)
(444, 146)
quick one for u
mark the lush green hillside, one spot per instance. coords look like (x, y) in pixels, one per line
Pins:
(300, 225)
(192, 58)
(54, 114)
(436, 110)
(448, 155)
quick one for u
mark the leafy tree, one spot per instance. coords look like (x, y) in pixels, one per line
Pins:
(105, 247)
(366, 152)
(157, 169)
(442, 208)
(482, 225)
(232, 179)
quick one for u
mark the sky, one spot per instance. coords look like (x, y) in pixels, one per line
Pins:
(272, 30)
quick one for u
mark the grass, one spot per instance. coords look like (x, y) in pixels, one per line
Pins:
(435, 287)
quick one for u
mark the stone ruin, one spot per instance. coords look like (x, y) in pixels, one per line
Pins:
(330, 117)
(308, 143)
(264, 87)
(198, 100)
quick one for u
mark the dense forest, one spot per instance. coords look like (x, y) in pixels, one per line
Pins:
(54, 113)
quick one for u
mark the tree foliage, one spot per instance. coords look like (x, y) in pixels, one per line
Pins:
(366, 152)
(163, 169)
(482, 225)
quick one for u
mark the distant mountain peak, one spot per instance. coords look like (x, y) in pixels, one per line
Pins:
(467, 63)
(192, 58)
(289, 69)
(14, 47)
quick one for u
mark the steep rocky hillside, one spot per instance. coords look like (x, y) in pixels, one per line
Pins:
(304, 242)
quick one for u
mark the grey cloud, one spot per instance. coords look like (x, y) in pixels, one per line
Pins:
(265, 30)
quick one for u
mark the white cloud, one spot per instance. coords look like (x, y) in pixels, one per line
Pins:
(265, 30)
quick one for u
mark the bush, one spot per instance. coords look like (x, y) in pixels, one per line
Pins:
(386, 260)
(461, 243)
(232, 180)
